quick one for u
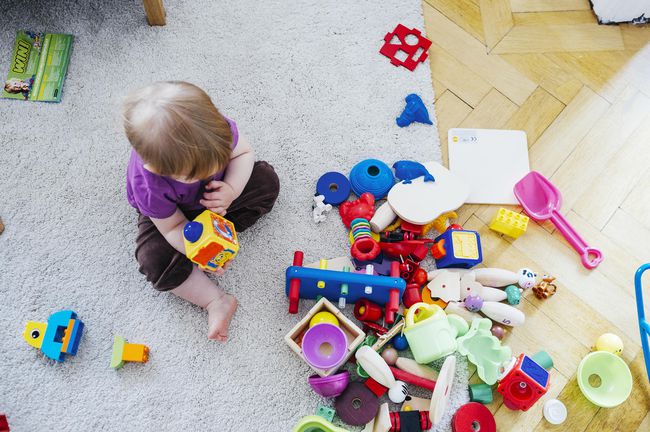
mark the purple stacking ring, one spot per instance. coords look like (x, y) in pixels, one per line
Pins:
(324, 346)
(330, 386)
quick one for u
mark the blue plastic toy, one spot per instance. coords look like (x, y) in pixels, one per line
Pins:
(400, 343)
(334, 186)
(409, 170)
(415, 111)
(372, 175)
(303, 282)
(457, 249)
(60, 336)
(643, 324)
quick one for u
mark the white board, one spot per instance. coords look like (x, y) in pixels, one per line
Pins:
(490, 161)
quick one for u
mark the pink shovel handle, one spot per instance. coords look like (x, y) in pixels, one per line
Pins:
(589, 256)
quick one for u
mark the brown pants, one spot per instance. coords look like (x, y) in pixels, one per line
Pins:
(165, 267)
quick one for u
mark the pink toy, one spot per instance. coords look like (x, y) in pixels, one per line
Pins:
(541, 200)
(330, 386)
(315, 341)
(364, 208)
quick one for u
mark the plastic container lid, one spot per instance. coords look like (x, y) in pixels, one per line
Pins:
(555, 412)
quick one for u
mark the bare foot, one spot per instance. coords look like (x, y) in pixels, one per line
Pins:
(220, 312)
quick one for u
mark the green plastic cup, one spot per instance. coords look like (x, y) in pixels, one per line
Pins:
(604, 379)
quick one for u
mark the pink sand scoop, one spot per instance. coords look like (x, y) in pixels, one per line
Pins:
(541, 201)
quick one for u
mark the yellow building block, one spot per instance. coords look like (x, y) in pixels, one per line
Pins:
(509, 223)
(210, 240)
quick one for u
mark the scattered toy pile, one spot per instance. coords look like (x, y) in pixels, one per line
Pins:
(400, 306)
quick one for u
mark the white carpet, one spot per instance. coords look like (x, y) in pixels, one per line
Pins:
(304, 80)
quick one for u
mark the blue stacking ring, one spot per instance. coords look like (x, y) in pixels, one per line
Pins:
(334, 186)
(372, 175)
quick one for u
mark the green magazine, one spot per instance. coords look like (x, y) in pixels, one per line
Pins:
(38, 66)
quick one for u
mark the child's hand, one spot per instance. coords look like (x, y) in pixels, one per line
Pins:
(219, 271)
(219, 197)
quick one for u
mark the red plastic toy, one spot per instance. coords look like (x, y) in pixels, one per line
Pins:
(365, 310)
(415, 248)
(364, 208)
(524, 384)
(416, 53)
(412, 379)
(412, 295)
(473, 417)
(4, 425)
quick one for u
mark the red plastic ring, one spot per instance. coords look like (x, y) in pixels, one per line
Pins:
(365, 249)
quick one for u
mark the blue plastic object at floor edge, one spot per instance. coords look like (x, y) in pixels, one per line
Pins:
(372, 175)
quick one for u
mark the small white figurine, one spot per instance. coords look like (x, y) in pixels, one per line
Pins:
(320, 209)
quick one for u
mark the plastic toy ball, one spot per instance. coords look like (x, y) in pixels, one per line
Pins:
(400, 343)
(398, 393)
(609, 342)
(390, 356)
(323, 317)
(498, 331)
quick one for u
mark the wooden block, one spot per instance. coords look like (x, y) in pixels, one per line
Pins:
(509, 420)
(497, 20)
(591, 156)
(548, 5)
(155, 11)
(623, 171)
(580, 410)
(554, 79)
(568, 129)
(536, 114)
(626, 231)
(471, 53)
(450, 112)
(631, 413)
(491, 113)
(354, 334)
(637, 202)
(561, 17)
(464, 13)
(457, 77)
(560, 37)
(591, 71)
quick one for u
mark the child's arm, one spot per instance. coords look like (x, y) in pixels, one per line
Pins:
(240, 167)
(172, 229)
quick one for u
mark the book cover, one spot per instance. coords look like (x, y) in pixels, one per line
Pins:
(38, 66)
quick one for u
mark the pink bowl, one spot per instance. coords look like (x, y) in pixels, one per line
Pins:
(330, 386)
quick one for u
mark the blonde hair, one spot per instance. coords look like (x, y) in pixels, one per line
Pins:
(176, 129)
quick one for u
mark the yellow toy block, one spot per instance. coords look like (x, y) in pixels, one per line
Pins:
(210, 240)
(509, 223)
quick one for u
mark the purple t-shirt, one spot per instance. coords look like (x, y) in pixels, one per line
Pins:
(158, 196)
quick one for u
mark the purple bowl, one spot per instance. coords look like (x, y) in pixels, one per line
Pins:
(324, 346)
(329, 386)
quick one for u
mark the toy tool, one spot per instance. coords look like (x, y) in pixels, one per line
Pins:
(473, 417)
(542, 200)
(210, 240)
(127, 352)
(415, 111)
(334, 186)
(302, 282)
(417, 53)
(420, 201)
(60, 336)
(643, 323)
(604, 379)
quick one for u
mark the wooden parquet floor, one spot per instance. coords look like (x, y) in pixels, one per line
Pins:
(581, 92)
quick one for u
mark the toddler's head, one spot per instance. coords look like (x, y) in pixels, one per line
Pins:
(177, 131)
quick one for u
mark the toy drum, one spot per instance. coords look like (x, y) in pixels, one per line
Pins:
(429, 333)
